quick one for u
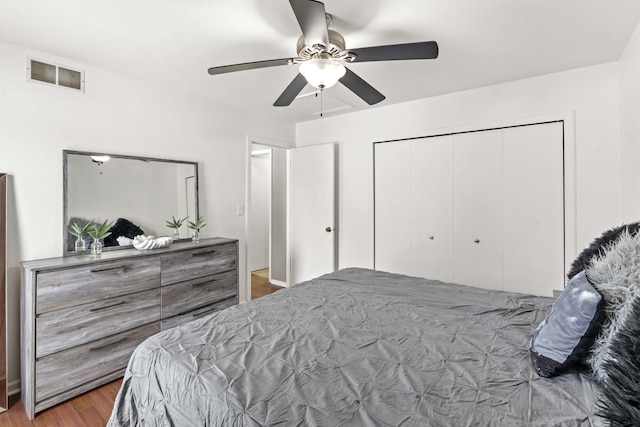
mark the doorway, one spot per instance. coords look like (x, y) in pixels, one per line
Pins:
(291, 211)
(260, 211)
(267, 217)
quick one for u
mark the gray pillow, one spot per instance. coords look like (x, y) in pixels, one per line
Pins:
(565, 337)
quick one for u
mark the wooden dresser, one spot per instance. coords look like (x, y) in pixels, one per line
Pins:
(82, 317)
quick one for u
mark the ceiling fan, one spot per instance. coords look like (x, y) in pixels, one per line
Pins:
(322, 52)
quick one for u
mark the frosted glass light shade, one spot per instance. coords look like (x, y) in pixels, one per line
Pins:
(322, 72)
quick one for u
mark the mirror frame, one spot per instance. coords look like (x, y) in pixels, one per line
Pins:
(65, 177)
(4, 391)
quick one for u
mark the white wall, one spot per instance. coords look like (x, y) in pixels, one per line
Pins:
(589, 93)
(630, 128)
(120, 115)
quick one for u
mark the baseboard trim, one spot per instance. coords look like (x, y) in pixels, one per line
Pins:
(279, 283)
(13, 387)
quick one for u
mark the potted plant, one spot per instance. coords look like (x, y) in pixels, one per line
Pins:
(175, 224)
(99, 232)
(79, 232)
(196, 226)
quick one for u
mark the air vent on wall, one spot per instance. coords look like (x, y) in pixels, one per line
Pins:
(54, 74)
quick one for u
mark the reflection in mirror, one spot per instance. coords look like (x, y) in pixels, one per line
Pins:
(138, 194)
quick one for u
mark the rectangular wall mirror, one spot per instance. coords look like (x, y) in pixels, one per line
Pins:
(136, 193)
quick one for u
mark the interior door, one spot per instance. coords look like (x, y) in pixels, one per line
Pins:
(312, 249)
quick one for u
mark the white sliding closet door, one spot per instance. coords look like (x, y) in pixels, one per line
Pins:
(393, 207)
(533, 208)
(477, 209)
(432, 208)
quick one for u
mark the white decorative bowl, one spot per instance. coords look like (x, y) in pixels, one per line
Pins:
(149, 242)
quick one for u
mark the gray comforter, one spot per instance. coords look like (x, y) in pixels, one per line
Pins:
(355, 347)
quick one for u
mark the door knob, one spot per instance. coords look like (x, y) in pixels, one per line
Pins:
(430, 237)
(328, 229)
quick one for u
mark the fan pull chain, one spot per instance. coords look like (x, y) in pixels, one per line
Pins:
(320, 90)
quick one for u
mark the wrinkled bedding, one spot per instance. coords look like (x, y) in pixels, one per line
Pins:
(353, 348)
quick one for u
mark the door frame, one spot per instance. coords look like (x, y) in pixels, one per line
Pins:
(251, 211)
(245, 294)
(570, 165)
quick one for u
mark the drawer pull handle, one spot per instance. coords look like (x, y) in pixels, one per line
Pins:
(107, 306)
(199, 254)
(102, 347)
(197, 285)
(100, 270)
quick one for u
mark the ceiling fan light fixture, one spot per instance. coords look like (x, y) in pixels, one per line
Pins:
(322, 53)
(322, 72)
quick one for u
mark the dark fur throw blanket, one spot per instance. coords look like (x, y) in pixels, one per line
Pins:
(599, 245)
(615, 356)
(122, 227)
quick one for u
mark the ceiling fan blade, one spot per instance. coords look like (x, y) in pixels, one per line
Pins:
(249, 66)
(396, 52)
(290, 93)
(313, 23)
(361, 88)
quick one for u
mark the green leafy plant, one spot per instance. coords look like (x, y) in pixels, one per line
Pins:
(78, 230)
(100, 231)
(197, 225)
(175, 223)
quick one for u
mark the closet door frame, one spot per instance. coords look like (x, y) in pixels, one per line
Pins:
(569, 163)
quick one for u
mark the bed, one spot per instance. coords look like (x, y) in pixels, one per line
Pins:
(356, 347)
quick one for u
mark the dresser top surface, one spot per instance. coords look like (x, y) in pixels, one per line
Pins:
(80, 260)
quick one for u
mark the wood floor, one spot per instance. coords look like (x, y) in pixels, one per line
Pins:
(87, 410)
(260, 286)
(93, 408)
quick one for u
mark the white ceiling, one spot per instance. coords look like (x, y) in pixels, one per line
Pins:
(173, 42)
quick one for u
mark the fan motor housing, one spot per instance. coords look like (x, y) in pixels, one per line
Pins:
(336, 47)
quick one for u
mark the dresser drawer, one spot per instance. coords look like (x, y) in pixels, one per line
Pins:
(174, 321)
(186, 296)
(80, 285)
(198, 262)
(62, 329)
(60, 372)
